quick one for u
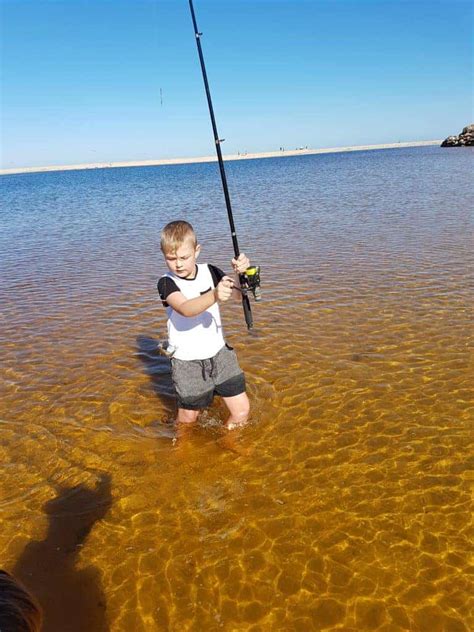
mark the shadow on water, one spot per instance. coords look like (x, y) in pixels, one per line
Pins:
(72, 599)
(158, 369)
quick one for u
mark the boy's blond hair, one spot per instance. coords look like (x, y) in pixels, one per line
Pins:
(175, 234)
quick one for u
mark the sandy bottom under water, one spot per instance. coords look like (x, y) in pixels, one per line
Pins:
(343, 505)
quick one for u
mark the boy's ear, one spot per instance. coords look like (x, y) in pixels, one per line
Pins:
(198, 250)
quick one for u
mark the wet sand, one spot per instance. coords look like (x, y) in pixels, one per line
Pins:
(240, 156)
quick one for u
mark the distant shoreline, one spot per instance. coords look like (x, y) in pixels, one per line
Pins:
(240, 156)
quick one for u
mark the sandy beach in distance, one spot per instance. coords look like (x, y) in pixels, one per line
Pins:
(240, 156)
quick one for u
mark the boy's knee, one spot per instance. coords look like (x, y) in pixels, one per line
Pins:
(246, 409)
(187, 416)
(238, 418)
(242, 412)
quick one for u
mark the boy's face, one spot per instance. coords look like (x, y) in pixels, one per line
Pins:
(183, 261)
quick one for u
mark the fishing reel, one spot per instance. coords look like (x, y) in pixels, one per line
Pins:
(251, 282)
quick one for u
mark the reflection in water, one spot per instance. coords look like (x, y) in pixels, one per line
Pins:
(158, 368)
(345, 503)
(72, 599)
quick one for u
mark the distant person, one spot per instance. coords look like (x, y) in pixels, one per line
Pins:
(19, 611)
(202, 365)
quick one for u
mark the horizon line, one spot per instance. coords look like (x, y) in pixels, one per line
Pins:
(227, 158)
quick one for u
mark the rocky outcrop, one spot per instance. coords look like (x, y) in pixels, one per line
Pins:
(465, 138)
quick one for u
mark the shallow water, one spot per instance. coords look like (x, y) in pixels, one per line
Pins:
(345, 502)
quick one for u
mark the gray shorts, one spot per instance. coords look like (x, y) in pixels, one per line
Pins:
(197, 381)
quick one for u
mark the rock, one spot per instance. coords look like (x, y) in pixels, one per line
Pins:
(465, 138)
(451, 141)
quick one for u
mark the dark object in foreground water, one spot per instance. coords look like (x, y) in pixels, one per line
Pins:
(19, 610)
(465, 138)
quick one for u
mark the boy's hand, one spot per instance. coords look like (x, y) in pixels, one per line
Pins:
(241, 263)
(224, 289)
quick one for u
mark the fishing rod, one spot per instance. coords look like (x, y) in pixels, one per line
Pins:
(250, 280)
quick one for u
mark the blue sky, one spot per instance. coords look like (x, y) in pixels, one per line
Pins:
(82, 78)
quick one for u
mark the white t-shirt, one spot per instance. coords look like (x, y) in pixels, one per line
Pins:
(195, 337)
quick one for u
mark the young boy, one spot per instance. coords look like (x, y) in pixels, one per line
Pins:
(203, 364)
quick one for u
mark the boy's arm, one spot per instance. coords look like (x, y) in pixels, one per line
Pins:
(193, 306)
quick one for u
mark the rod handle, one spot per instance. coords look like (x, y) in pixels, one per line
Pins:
(246, 303)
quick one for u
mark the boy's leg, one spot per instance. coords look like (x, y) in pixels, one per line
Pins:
(239, 408)
(186, 416)
(185, 422)
(231, 387)
(192, 390)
